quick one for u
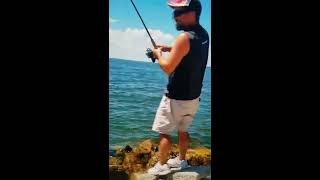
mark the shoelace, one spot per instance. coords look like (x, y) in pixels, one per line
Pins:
(178, 161)
(157, 167)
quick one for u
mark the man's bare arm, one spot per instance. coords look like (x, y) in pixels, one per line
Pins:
(179, 49)
(165, 48)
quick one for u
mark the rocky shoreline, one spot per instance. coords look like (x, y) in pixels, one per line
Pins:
(132, 163)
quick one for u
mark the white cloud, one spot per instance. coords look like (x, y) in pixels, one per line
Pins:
(132, 43)
(111, 20)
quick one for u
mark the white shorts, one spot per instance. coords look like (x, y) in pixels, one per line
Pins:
(174, 114)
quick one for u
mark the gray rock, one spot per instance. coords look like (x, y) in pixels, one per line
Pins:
(144, 176)
(192, 173)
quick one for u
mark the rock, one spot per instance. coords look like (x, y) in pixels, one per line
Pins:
(134, 162)
(120, 153)
(145, 147)
(174, 152)
(112, 152)
(129, 161)
(115, 161)
(145, 156)
(115, 164)
(155, 148)
(144, 152)
(116, 168)
(153, 160)
(192, 173)
(118, 175)
(142, 176)
(127, 148)
(199, 156)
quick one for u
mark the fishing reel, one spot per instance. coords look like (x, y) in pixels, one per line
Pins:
(150, 55)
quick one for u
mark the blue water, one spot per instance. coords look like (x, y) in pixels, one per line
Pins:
(135, 91)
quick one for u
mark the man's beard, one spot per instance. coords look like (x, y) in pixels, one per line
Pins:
(180, 27)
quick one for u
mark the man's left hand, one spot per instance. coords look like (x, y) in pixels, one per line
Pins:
(157, 52)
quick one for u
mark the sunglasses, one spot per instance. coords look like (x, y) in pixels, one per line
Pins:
(179, 12)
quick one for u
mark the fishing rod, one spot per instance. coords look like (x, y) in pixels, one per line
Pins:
(149, 51)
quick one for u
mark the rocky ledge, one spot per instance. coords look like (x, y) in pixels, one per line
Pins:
(132, 163)
(192, 173)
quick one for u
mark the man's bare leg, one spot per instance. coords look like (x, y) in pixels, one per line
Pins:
(165, 146)
(183, 144)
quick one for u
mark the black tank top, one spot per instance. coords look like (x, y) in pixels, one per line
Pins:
(185, 82)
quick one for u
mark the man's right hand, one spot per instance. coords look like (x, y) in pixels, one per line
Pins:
(164, 48)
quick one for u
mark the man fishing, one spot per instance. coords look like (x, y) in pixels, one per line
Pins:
(185, 66)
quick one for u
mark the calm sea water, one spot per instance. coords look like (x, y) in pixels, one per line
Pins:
(135, 91)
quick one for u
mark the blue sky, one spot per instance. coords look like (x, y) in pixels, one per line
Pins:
(127, 37)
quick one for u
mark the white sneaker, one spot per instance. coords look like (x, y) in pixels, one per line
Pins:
(177, 164)
(159, 170)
